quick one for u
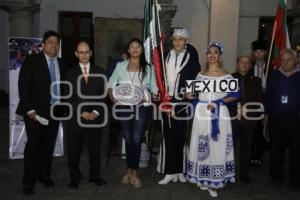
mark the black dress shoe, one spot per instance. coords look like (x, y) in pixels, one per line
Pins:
(47, 182)
(98, 181)
(73, 184)
(28, 189)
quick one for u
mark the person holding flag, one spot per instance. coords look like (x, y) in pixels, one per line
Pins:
(181, 64)
(259, 53)
(259, 70)
(280, 40)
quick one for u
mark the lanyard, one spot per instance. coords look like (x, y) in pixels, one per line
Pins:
(285, 86)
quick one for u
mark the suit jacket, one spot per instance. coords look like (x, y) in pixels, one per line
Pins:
(251, 92)
(94, 87)
(34, 85)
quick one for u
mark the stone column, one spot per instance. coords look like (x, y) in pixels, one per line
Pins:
(17, 23)
(20, 22)
(20, 16)
(224, 23)
(168, 11)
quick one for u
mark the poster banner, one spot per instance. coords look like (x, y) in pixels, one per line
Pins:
(19, 48)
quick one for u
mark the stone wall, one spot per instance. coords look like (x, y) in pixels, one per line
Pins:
(112, 36)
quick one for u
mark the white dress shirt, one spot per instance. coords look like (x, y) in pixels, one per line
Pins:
(173, 67)
(259, 70)
(88, 66)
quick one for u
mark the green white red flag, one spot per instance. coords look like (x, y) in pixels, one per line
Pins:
(280, 33)
(153, 47)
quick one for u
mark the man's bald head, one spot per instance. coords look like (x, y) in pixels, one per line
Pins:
(83, 52)
(82, 44)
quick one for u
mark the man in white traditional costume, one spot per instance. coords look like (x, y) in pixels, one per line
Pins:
(182, 63)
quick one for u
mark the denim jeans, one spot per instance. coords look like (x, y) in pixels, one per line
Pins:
(133, 130)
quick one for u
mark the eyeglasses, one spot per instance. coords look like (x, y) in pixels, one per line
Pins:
(83, 52)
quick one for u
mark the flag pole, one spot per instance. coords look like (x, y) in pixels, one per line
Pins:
(163, 59)
(161, 45)
(270, 51)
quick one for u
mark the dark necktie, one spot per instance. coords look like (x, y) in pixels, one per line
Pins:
(176, 60)
(242, 80)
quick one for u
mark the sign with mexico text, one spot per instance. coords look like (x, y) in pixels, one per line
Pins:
(208, 86)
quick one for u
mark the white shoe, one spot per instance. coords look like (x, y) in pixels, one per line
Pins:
(212, 192)
(168, 178)
(203, 188)
(182, 178)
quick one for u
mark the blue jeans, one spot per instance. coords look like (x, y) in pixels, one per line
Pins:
(133, 130)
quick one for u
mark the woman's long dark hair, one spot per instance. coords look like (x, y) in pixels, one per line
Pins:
(143, 62)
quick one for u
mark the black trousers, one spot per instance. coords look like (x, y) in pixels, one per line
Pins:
(39, 149)
(259, 143)
(284, 133)
(175, 138)
(76, 136)
(244, 133)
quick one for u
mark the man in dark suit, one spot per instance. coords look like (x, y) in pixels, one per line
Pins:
(79, 127)
(37, 74)
(259, 69)
(243, 124)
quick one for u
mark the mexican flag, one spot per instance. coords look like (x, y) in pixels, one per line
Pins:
(153, 50)
(149, 25)
(280, 33)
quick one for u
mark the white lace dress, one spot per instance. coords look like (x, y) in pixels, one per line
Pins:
(211, 162)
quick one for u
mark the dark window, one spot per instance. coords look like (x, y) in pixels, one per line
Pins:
(73, 27)
(266, 27)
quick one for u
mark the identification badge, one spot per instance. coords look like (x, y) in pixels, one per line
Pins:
(284, 99)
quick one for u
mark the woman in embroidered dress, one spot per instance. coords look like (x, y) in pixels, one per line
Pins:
(210, 158)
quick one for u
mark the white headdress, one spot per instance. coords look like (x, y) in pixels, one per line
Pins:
(181, 32)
